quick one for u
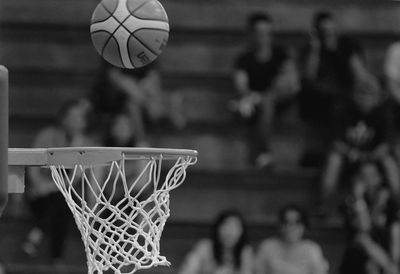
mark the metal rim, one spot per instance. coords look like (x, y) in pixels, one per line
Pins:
(134, 151)
(90, 155)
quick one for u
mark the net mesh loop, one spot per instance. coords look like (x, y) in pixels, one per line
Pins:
(121, 216)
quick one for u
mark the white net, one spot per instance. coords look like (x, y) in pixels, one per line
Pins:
(121, 209)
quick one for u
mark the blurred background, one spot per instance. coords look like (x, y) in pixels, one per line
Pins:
(193, 101)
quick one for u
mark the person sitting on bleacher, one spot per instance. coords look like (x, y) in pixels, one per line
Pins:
(50, 211)
(226, 252)
(392, 78)
(330, 64)
(122, 133)
(290, 253)
(371, 214)
(140, 92)
(362, 132)
(264, 75)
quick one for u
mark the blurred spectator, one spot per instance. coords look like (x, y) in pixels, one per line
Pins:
(392, 77)
(290, 253)
(362, 132)
(227, 252)
(372, 218)
(121, 133)
(122, 185)
(140, 92)
(48, 205)
(331, 63)
(392, 71)
(264, 75)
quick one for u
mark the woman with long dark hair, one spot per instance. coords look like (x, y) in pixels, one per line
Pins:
(226, 252)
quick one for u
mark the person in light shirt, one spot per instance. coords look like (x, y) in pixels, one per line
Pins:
(290, 253)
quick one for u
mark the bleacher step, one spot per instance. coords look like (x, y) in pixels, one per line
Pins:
(177, 240)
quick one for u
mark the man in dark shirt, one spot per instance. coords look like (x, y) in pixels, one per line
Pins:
(264, 74)
(330, 64)
(362, 133)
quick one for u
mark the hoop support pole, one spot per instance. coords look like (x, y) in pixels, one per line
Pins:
(3, 138)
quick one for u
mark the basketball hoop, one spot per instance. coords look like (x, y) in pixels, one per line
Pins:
(120, 213)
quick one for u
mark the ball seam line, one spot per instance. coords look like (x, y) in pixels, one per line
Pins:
(106, 43)
(116, 19)
(109, 12)
(164, 30)
(97, 31)
(112, 34)
(149, 19)
(121, 24)
(144, 45)
(111, 16)
(142, 42)
(129, 51)
(97, 22)
(136, 9)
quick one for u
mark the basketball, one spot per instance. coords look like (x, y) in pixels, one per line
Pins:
(129, 33)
